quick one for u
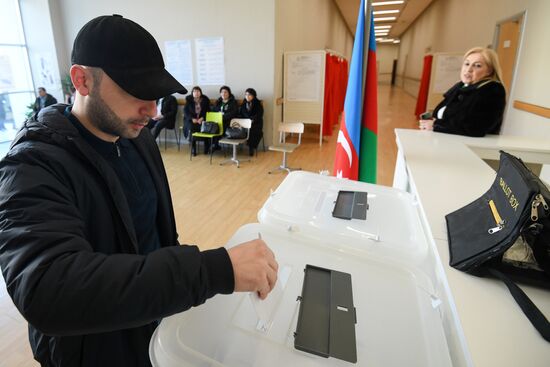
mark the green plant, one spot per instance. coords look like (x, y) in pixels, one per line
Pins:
(30, 110)
(66, 85)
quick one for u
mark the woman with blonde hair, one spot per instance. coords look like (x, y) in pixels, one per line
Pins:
(475, 105)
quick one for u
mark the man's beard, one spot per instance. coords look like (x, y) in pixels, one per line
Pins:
(104, 119)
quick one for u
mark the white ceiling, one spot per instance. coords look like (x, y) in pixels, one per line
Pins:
(409, 11)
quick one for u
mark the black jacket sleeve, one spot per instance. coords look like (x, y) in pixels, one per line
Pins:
(474, 112)
(63, 287)
(255, 113)
(169, 108)
(50, 100)
(232, 110)
(189, 109)
(205, 106)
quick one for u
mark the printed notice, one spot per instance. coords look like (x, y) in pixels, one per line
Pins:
(178, 60)
(447, 72)
(210, 61)
(304, 80)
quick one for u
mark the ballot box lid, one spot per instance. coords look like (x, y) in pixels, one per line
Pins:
(397, 321)
(305, 201)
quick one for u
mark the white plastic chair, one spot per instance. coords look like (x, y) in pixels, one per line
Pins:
(246, 124)
(284, 147)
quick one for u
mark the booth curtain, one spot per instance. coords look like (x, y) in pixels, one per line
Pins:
(422, 100)
(336, 80)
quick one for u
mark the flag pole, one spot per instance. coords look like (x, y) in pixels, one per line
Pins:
(369, 112)
(366, 38)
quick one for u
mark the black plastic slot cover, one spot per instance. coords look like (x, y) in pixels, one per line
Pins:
(327, 317)
(351, 204)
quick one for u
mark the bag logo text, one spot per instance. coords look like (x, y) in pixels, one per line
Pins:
(514, 203)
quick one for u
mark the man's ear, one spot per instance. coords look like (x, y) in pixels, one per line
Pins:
(82, 79)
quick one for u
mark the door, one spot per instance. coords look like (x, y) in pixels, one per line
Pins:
(507, 42)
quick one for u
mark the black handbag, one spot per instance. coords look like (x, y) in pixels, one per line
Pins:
(235, 133)
(506, 234)
(208, 127)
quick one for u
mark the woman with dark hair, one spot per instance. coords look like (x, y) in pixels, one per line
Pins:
(227, 105)
(252, 109)
(196, 106)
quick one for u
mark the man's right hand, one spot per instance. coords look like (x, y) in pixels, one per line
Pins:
(254, 266)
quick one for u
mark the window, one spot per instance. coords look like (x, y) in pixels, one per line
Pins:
(16, 86)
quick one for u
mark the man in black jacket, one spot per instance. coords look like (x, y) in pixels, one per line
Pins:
(167, 117)
(44, 99)
(88, 244)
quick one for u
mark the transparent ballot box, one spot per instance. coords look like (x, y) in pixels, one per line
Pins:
(304, 202)
(397, 321)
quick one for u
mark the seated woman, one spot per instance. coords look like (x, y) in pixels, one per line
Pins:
(475, 105)
(251, 108)
(228, 106)
(196, 106)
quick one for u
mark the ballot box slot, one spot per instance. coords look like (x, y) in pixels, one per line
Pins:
(351, 205)
(326, 317)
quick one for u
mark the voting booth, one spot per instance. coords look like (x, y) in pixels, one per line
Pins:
(397, 320)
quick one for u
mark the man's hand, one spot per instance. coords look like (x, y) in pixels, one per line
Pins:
(254, 266)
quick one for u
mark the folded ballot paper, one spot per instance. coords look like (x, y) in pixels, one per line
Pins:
(266, 309)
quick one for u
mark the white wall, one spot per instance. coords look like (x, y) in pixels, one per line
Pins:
(247, 27)
(532, 74)
(256, 33)
(307, 25)
(457, 25)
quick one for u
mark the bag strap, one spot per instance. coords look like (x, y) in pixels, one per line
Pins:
(534, 315)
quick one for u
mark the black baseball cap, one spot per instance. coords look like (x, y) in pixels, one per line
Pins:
(128, 54)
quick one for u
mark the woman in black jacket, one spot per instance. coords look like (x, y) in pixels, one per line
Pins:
(475, 105)
(196, 106)
(227, 105)
(251, 108)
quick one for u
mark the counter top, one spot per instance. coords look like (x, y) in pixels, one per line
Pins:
(445, 172)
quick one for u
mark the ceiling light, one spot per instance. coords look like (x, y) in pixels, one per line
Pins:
(381, 33)
(379, 12)
(380, 3)
(396, 41)
(384, 19)
(382, 27)
(387, 40)
(379, 39)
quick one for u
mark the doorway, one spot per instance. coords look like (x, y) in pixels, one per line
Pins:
(506, 44)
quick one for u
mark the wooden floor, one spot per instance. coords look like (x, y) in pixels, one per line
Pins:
(226, 197)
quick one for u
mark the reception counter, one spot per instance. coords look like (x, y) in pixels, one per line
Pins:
(445, 172)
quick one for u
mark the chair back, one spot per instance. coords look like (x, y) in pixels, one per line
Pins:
(291, 127)
(216, 117)
(244, 123)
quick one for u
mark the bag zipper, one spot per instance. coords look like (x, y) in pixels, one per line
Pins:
(498, 219)
(539, 199)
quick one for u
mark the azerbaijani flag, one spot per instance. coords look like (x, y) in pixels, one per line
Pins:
(355, 156)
